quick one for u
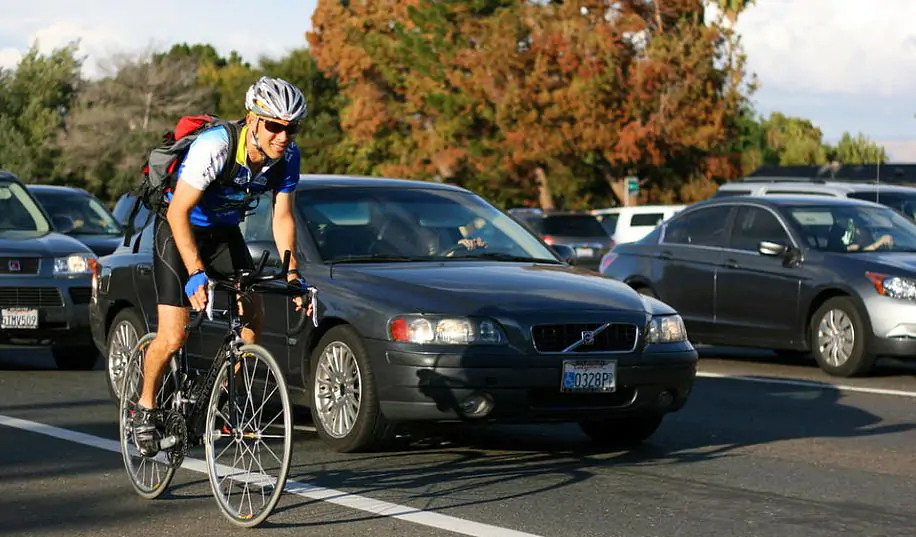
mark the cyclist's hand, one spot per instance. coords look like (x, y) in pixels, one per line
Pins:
(299, 300)
(196, 289)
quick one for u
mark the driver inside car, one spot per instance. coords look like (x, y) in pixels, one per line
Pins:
(858, 238)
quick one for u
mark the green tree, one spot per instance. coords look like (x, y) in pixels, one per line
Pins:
(35, 99)
(858, 149)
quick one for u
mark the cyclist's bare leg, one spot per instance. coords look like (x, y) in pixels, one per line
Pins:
(170, 336)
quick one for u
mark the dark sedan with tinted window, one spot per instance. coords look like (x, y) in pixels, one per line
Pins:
(419, 321)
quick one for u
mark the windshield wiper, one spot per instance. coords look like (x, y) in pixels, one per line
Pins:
(504, 257)
(376, 258)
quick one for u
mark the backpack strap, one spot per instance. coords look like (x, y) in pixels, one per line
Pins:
(231, 169)
(130, 228)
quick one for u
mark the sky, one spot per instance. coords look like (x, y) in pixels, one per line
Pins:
(846, 65)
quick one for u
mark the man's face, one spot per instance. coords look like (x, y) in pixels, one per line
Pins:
(274, 135)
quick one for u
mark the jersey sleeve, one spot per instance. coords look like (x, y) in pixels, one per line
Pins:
(206, 157)
(291, 172)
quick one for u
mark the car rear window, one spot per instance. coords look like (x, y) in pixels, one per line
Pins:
(647, 219)
(573, 225)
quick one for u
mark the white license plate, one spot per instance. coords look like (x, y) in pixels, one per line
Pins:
(19, 318)
(585, 252)
(589, 376)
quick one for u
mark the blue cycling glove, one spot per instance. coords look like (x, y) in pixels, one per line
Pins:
(194, 282)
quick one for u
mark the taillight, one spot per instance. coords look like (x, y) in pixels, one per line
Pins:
(95, 268)
(606, 261)
(548, 239)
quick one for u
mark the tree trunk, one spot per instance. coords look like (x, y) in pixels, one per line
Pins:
(544, 197)
(147, 111)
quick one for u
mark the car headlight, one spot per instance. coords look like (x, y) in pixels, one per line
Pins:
(666, 329)
(73, 264)
(445, 330)
(893, 286)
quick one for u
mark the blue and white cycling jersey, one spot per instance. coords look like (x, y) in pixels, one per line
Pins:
(206, 157)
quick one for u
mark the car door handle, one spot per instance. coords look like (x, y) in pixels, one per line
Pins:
(731, 263)
(144, 269)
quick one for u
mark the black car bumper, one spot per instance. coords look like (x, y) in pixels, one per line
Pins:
(901, 348)
(423, 387)
(62, 314)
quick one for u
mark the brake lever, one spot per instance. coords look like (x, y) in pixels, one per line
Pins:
(211, 286)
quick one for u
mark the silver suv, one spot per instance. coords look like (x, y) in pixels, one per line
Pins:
(900, 198)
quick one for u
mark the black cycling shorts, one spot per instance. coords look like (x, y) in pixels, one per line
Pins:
(222, 250)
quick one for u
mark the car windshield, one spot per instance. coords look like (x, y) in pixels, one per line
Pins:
(852, 229)
(19, 212)
(573, 225)
(77, 214)
(902, 202)
(415, 224)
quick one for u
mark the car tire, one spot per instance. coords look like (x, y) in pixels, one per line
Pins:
(841, 316)
(75, 358)
(353, 383)
(622, 432)
(125, 331)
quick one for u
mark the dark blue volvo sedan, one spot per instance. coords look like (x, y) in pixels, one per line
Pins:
(434, 306)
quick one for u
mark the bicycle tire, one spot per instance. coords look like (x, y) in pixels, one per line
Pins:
(237, 518)
(128, 399)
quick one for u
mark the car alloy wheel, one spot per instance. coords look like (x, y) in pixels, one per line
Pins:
(338, 389)
(836, 337)
(123, 338)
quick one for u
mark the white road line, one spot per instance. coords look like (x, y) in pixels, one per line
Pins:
(338, 497)
(810, 384)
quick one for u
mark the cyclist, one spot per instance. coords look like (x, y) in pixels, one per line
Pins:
(201, 229)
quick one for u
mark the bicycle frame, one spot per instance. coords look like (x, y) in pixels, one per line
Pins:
(194, 389)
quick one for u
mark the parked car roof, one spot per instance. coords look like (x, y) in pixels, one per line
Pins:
(323, 181)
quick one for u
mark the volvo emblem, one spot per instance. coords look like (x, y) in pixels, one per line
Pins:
(14, 265)
(587, 337)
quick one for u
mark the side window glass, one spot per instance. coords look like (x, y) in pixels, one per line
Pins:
(754, 225)
(258, 225)
(702, 227)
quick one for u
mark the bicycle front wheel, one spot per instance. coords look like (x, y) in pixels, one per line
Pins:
(249, 437)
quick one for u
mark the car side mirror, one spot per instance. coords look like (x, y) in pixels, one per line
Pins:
(257, 248)
(566, 253)
(772, 248)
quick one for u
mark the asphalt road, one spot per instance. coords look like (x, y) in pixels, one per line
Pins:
(762, 449)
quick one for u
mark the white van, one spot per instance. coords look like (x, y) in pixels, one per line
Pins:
(628, 224)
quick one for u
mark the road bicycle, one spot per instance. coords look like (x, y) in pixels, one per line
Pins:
(196, 409)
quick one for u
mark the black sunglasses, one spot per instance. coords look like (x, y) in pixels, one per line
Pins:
(275, 127)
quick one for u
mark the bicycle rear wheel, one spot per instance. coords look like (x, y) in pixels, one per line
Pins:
(150, 477)
(248, 459)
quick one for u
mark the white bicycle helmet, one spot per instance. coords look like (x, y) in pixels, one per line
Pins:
(275, 98)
